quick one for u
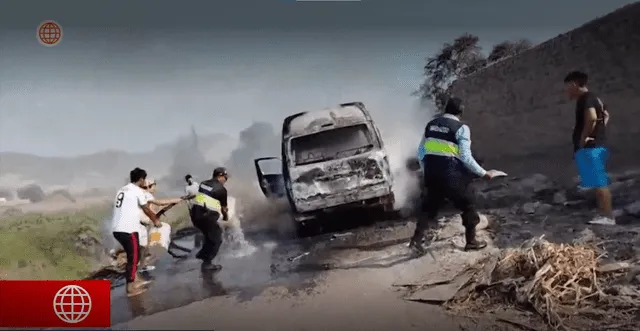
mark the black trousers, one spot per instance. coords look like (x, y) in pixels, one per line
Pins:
(460, 193)
(199, 237)
(206, 221)
(131, 244)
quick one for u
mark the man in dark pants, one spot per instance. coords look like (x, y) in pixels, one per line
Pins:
(449, 168)
(209, 204)
(128, 202)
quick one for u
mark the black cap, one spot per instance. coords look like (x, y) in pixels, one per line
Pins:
(187, 177)
(454, 106)
(220, 171)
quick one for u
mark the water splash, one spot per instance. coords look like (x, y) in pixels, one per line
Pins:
(235, 244)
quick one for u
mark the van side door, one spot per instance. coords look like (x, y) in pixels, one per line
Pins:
(270, 178)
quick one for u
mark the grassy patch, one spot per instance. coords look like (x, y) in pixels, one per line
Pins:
(64, 245)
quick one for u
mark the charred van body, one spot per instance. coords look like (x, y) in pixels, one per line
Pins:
(332, 159)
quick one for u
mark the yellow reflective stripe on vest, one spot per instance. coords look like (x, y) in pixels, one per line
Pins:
(441, 147)
(208, 202)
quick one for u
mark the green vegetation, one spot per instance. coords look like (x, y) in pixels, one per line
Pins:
(67, 245)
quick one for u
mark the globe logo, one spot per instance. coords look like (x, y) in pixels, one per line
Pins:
(49, 33)
(72, 304)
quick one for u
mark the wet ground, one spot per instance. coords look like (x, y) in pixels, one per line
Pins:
(355, 259)
(296, 265)
(349, 280)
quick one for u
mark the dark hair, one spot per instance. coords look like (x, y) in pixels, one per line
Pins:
(187, 177)
(578, 77)
(137, 174)
(454, 106)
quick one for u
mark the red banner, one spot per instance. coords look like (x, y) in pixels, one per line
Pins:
(52, 303)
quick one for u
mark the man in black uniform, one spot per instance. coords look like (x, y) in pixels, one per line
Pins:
(208, 205)
(449, 168)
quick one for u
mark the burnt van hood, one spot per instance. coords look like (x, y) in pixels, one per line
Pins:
(339, 176)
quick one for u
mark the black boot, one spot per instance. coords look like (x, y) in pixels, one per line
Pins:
(473, 244)
(208, 266)
(416, 245)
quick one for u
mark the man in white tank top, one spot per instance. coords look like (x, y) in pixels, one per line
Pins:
(156, 205)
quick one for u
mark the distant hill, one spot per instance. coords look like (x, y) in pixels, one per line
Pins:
(103, 169)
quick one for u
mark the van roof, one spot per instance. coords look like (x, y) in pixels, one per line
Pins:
(313, 121)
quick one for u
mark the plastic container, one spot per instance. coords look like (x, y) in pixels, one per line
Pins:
(160, 236)
(143, 235)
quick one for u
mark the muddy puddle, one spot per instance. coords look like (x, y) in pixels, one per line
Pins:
(294, 264)
(179, 282)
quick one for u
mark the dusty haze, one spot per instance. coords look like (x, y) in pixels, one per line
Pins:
(119, 93)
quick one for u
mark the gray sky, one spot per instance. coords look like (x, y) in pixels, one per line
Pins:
(131, 75)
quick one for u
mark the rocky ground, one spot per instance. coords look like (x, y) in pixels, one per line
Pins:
(524, 208)
(365, 278)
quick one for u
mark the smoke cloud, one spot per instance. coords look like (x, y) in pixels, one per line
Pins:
(258, 140)
(401, 130)
(401, 135)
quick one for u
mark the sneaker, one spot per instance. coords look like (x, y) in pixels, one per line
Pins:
(147, 268)
(602, 220)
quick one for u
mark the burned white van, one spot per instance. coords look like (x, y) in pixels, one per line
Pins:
(331, 160)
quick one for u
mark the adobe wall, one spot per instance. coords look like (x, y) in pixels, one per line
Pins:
(520, 117)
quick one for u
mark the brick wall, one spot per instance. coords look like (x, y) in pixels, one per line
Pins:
(520, 117)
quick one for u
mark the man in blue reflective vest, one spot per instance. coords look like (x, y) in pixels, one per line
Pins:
(209, 205)
(449, 168)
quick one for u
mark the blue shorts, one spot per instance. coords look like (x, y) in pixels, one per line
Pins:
(592, 168)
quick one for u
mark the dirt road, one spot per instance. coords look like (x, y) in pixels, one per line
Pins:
(345, 283)
(347, 300)
(357, 279)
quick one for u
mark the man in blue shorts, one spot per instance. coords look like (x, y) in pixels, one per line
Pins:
(589, 138)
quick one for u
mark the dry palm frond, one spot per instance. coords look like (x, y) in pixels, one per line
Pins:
(558, 281)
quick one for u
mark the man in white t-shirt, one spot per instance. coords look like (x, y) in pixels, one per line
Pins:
(129, 202)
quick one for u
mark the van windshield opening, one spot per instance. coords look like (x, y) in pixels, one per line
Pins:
(332, 144)
(271, 166)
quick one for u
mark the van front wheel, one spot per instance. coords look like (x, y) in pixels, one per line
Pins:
(306, 226)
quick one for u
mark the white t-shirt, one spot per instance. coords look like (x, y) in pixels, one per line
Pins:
(191, 190)
(143, 217)
(127, 208)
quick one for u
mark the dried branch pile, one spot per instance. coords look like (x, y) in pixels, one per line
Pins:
(119, 260)
(563, 283)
